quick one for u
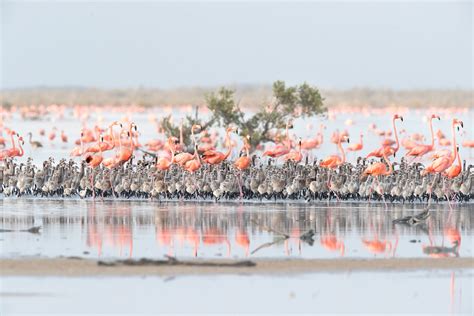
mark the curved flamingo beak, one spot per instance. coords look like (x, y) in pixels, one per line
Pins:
(401, 118)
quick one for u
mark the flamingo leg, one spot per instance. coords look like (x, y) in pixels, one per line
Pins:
(381, 189)
(92, 185)
(329, 186)
(430, 190)
(240, 185)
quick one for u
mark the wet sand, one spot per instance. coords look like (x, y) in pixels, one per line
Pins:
(83, 267)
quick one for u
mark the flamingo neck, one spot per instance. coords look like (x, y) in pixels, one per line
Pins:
(288, 143)
(172, 150)
(432, 133)
(12, 141)
(458, 157)
(196, 154)
(339, 145)
(390, 166)
(171, 147)
(21, 150)
(100, 147)
(181, 133)
(111, 133)
(132, 144)
(396, 135)
(193, 137)
(229, 145)
(120, 141)
(455, 153)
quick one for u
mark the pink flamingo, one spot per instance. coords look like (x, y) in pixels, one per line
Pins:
(388, 150)
(422, 149)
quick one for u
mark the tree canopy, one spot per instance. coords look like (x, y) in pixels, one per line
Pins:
(287, 103)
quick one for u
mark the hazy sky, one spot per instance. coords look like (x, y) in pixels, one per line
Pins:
(126, 44)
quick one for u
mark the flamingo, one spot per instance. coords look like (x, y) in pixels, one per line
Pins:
(194, 164)
(243, 162)
(388, 150)
(442, 163)
(184, 157)
(214, 157)
(295, 156)
(357, 146)
(52, 134)
(380, 169)
(126, 153)
(12, 142)
(422, 149)
(18, 151)
(444, 142)
(468, 144)
(281, 149)
(164, 163)
(63, 137)
(78, 151)
(13, 151)
(408, 144)
(95, 160)
(455, 169)
(314, 143)
(100, 146)
(2, 139)
(333, 161)
(108, 142)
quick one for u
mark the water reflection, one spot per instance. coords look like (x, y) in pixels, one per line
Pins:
(149, 229)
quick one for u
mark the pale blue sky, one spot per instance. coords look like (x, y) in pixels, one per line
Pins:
(332, 45)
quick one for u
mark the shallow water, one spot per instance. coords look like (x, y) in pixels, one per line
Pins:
(405, 292)
(135, 229)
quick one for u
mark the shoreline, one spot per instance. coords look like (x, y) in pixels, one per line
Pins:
(254, 201)
(78, 267)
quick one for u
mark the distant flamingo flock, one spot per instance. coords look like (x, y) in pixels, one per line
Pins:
(110, 161)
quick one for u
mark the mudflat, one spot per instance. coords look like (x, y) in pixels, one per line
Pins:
(86, 267)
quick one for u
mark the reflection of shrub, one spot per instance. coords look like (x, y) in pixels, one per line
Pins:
(287, 103)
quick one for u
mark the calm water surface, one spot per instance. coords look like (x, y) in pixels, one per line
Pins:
(447, 292)
(135, 229)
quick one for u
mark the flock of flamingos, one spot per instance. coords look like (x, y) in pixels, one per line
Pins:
(104, 163)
